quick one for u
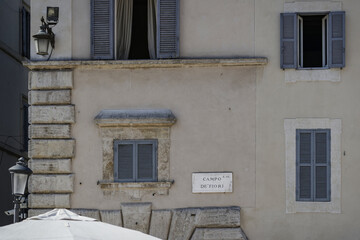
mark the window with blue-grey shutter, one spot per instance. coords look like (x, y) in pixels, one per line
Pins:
(102, 29)
(288, 38)
(168, 28)
(310, 40)
(337, 39)
(135, 160)
(313, 165)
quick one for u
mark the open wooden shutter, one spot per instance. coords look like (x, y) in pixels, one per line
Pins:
(288, 40)
(167, 28)
(337, 39)
(102, 29)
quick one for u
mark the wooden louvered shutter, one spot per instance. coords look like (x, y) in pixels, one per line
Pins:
(322, 165)
(102, 29)
(124, 165)
(167, 28)
(288, 40)
(337, 39)
(303, 165)
(146, 164)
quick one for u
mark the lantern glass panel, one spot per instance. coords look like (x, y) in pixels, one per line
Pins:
(19, 181)
(42, 46)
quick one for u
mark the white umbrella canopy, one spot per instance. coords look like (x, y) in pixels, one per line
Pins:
(62, 224)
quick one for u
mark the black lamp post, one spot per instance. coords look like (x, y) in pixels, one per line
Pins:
(45, 34)
(19, 177)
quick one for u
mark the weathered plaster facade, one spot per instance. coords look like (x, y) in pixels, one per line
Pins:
(233, 114)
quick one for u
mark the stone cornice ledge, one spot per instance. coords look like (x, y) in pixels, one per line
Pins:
(134, 117)
(131, 64)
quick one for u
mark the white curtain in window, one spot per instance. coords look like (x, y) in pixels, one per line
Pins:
(124, 15)
(152, 28)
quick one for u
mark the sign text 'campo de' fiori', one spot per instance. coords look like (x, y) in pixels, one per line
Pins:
(212, 182)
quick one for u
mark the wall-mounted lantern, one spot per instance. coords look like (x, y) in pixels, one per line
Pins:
(19, 178)
(45, 36)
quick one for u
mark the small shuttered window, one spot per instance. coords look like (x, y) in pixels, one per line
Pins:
(102, 29)
(135, 160)
(302, 41)
(313, 165)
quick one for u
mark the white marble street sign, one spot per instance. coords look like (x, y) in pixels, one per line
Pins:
(216, 182)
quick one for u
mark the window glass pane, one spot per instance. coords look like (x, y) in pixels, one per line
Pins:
(125, 165)
(305, 182)
(305, 147)
(145, 161)
(321, 182)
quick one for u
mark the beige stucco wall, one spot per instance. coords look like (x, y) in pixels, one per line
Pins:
(215, 129)
(277, 100)
(201, 97)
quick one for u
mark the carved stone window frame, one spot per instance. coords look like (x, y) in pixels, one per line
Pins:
(136, 124)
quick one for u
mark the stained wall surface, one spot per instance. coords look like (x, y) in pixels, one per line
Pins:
(228, 118)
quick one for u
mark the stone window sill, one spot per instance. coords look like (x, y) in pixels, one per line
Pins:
(312, 75)
(137, 189)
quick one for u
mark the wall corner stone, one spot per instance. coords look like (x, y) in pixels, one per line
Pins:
(51, 146)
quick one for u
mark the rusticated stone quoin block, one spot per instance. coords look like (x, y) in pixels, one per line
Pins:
(182, 224)
(50, 165)
(136, 216)
(52, 114)
(51, 183)
(91, 213)
(111, 216)
(50, 97)
(218, 233)
(52, 148)
(184, 221)
(51, 80)
(50, 131)
(160, 223)
(49, 200)
(218, 217)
